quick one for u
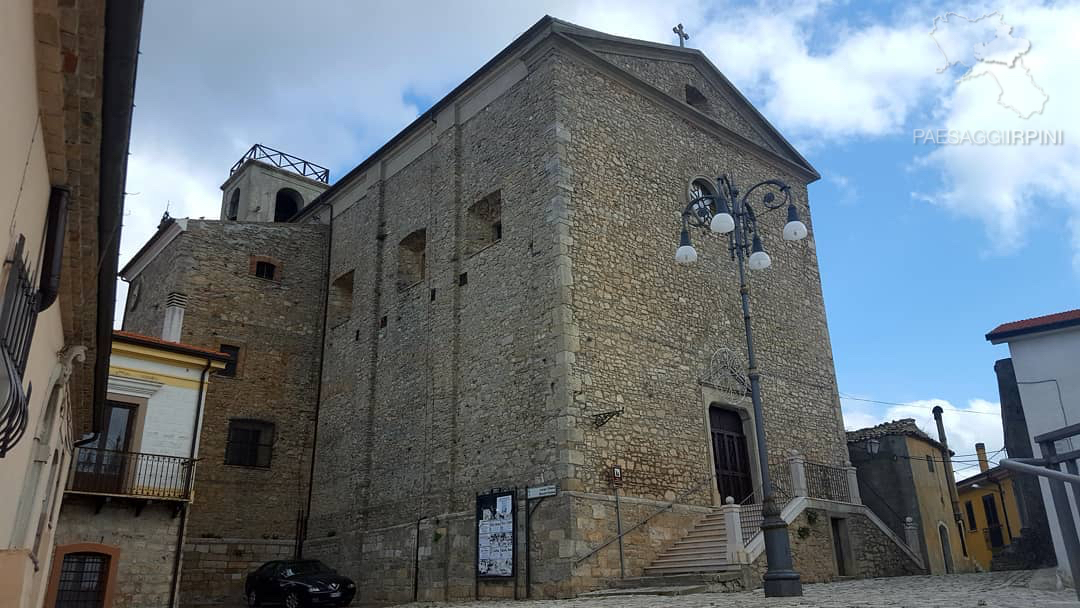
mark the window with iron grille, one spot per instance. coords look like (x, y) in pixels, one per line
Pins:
(17, 320)
(250, 443)
(265, 270)
(82, 580)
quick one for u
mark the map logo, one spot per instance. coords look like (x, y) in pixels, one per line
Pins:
(987, 47)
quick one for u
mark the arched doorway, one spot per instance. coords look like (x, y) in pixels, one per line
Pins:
(286, 204)
(731, 458)
(946, 548)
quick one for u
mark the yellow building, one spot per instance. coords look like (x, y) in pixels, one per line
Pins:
(68, 71)
(991, 515)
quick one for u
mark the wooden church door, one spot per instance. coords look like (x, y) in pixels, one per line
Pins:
(730, 454)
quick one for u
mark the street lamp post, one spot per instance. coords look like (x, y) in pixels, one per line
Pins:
(726, 213)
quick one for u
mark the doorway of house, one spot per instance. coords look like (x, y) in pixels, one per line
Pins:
(993, 522)
(730, 455)
(839, 546)
(103, 465)
(946, 550)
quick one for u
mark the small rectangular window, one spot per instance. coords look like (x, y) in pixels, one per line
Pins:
(972, 526)
(930, 463)
(463, 279)
(234, 358)
(250, 443)
(266, 270)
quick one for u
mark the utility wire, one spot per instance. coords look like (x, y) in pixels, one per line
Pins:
(949, 409)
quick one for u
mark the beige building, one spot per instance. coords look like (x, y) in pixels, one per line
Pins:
(66, 116)
(903, 478)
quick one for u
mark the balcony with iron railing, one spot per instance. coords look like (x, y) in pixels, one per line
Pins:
(131, 474)
(285, 161)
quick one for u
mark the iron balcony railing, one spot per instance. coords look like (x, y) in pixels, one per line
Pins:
(826, 481)
(283, 161)
(18, 318)
(114, 473)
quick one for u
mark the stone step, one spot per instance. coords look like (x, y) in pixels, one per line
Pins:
(713, 566)
(706, 535)
(661, 590)
(705, 552)
(710, 525)
(689, 560)
(699, 544)
(696, 578)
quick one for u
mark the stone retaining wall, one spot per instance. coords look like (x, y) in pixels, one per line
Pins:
(215, 568)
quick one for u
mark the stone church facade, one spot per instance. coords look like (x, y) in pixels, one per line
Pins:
(490, 302)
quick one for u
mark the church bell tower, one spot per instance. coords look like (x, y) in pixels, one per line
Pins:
(267, 185)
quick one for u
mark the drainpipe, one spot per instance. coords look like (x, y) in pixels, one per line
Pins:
(182, 528)
(954, 496)
(318, 388)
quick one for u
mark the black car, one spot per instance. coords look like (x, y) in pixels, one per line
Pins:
(297, 583)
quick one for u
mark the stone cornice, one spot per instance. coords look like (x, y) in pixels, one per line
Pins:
(152, 248)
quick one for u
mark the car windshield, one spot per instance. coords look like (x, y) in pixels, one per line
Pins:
(302, 568)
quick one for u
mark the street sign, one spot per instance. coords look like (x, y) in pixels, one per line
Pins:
(541, 491)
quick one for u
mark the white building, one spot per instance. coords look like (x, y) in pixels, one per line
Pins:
(125, 505)
(1046, 356)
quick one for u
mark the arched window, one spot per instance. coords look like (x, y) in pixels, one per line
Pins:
(412, 259)
(286, 204)
(233, 210)
(700, 187)
(483, 223)
(83, 575)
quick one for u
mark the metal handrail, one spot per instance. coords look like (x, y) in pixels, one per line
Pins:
(827, 481)
(615, 538)
(114, 472)
(1049, 466)
(283, 160)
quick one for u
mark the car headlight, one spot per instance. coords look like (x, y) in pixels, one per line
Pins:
(316, 587)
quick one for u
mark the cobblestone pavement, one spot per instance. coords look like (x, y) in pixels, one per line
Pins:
(992, 590)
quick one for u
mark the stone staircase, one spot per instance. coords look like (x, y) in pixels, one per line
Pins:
(702, 550)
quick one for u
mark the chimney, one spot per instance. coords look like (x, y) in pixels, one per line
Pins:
(174, 316)
(980, 450)
(953, 495)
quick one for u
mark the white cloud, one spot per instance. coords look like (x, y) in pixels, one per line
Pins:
(977, 422)
(1009, 188)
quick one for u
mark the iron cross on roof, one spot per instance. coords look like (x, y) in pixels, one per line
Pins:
(683, 36)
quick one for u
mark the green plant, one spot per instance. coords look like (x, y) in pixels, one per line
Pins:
(811, 517)
(804, 532)
(436, 536)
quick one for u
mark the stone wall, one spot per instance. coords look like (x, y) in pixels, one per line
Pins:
(214, 569)
(874, 553)
(439, 389)
(147, 544)
(488, 371)
(278, 326)
(648, 328)
(594, 523)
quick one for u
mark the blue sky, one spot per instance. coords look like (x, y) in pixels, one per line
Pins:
(923, 248)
